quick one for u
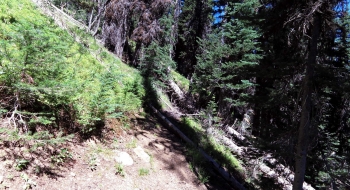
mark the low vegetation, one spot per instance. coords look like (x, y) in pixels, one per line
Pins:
(119, 169)
(143, 171)
(219, 152)
(180, 80)
(50, 81)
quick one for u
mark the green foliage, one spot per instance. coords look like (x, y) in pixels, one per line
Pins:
(157, 60)
(143, 171)
(224, 155)
(183, 82)
(28, 183)
(32, 140)
(119, 169)
(224, 68)
(132, 144)
(21, 164)
(62, 156)
(42, 65)
(164, 100)
(79, 9)
(203, 176)
(193, 24)
(92, 165)
(194, 130)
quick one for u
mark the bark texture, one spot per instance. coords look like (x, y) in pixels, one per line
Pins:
(306, 113)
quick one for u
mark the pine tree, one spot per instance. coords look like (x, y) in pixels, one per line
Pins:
(193, 24)
(290, 80)
(330, 153)
(223, 69)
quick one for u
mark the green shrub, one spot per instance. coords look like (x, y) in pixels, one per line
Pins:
(45, 73)
(62, 156)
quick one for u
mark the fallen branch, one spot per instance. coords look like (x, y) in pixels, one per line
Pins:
(236, 134)
(195, 114)
(16, 116)
(60, 17)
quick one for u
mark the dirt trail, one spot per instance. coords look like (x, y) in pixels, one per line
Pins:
(93, 164)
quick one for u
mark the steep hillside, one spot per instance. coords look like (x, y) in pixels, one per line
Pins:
(46, 74)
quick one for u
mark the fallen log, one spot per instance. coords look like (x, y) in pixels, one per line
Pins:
(226, 141)
(233, 182)
(57, 14)
(236, 134)
(281, 174)
(285, 171)
(242, 152)
(176, 89)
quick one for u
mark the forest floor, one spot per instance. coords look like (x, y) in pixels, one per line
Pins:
(158, 160)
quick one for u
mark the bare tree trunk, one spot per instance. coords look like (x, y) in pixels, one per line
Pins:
(94, 21)
(115, 26)
(306, 113)
(174, 28)
(97, 27)
(90, 20)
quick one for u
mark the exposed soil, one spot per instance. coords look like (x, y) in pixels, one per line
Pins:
(92, 163)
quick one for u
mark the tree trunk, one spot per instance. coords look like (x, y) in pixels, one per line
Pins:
(306, 113)
(115, 27)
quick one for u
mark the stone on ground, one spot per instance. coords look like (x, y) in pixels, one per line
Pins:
(142, 154)
(123, 158)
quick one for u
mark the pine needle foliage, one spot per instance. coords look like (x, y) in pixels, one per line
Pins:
(47, 78)
(224, 69)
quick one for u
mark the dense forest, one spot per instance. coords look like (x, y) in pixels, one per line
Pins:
(275, 71)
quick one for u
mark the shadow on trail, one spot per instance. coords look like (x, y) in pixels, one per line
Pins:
(175, 145)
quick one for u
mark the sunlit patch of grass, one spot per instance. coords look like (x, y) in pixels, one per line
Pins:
(180, 80)
(68, 68)
(219, 152)
(143, 171)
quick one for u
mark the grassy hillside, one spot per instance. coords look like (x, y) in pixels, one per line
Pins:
(48, 79)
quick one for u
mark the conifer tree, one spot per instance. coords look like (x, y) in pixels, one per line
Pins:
(193, 24)
(331, 155)
(290, 80)
(223, 69)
